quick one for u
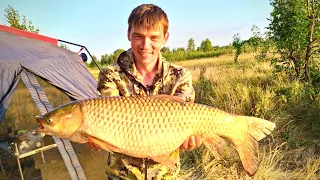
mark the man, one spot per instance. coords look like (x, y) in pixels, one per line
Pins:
(143, 71)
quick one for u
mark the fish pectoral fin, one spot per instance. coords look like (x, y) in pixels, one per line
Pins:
(215, 144)
(165, 160)
(101, 144)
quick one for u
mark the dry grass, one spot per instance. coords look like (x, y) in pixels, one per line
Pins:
(250, 88)
(94, 72)
(275, 157)
(272, 166)
(92, 162)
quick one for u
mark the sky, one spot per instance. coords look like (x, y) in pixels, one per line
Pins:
(101, 25)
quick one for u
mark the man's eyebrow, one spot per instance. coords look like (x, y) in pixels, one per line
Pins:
(136, 34)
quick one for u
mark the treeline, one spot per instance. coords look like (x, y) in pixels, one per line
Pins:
(205, 50)
(179, 55)
(106, 59)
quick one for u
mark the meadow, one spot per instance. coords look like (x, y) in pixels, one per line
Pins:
(251, 88)
(248, 87)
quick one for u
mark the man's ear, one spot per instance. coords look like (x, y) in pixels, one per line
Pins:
(166, 37)
(128, 34)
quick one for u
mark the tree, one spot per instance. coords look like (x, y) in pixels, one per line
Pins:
(206, 45)
(114, 56)
(165, 50)
(260, 42)
(295, 29)
(180, 49)
(256, 40)
(64, 46)
(105, 59)
(13, 18)
(191, 45)
(237, 44)
(93, 60)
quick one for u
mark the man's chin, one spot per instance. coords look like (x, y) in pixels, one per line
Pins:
(148, 59)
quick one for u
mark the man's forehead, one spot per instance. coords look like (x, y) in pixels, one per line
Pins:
(141, 29)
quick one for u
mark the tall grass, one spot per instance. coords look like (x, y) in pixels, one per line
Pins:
(250, 88)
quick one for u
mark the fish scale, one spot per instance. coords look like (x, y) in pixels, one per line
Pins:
(179, 119)
(153, 127)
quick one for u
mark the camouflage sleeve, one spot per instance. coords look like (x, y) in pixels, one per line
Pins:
(184, 87)
(106, 85)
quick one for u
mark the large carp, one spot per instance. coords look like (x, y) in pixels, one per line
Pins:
(154, 126)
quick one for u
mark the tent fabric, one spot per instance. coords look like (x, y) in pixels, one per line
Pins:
(65, 148)
(27, 34)
(59, 67)
(9, 78)
(37, 94)
(26, 55)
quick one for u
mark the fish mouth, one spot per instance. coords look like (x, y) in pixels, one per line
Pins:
(40, 126)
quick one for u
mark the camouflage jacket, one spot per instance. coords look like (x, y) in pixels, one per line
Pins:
(123, 79)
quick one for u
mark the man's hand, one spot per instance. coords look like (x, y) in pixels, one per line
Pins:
(191, 143)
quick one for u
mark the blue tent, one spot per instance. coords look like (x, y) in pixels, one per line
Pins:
(40, 55)
(26, 55)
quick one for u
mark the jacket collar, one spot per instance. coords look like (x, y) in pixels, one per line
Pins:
(126, 62)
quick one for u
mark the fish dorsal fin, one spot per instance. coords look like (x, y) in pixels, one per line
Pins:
(169, 98)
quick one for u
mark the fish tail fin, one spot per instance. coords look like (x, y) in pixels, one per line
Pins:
(259, 128)
(248, 147)
(248, 152)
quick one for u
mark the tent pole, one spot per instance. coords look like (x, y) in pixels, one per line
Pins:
(84, 48)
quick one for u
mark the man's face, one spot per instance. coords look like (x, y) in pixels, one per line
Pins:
(146, 43)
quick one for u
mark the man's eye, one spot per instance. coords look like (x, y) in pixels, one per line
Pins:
(155, 38)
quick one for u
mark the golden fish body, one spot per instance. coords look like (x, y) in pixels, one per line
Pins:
(153, 127)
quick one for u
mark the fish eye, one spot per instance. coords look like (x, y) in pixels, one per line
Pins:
(49, 121)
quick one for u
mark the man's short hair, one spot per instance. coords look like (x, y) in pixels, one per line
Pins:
(148, 16)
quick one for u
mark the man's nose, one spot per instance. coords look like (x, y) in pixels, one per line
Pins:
(146, 43)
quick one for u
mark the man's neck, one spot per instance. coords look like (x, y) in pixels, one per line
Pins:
(147, 72)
